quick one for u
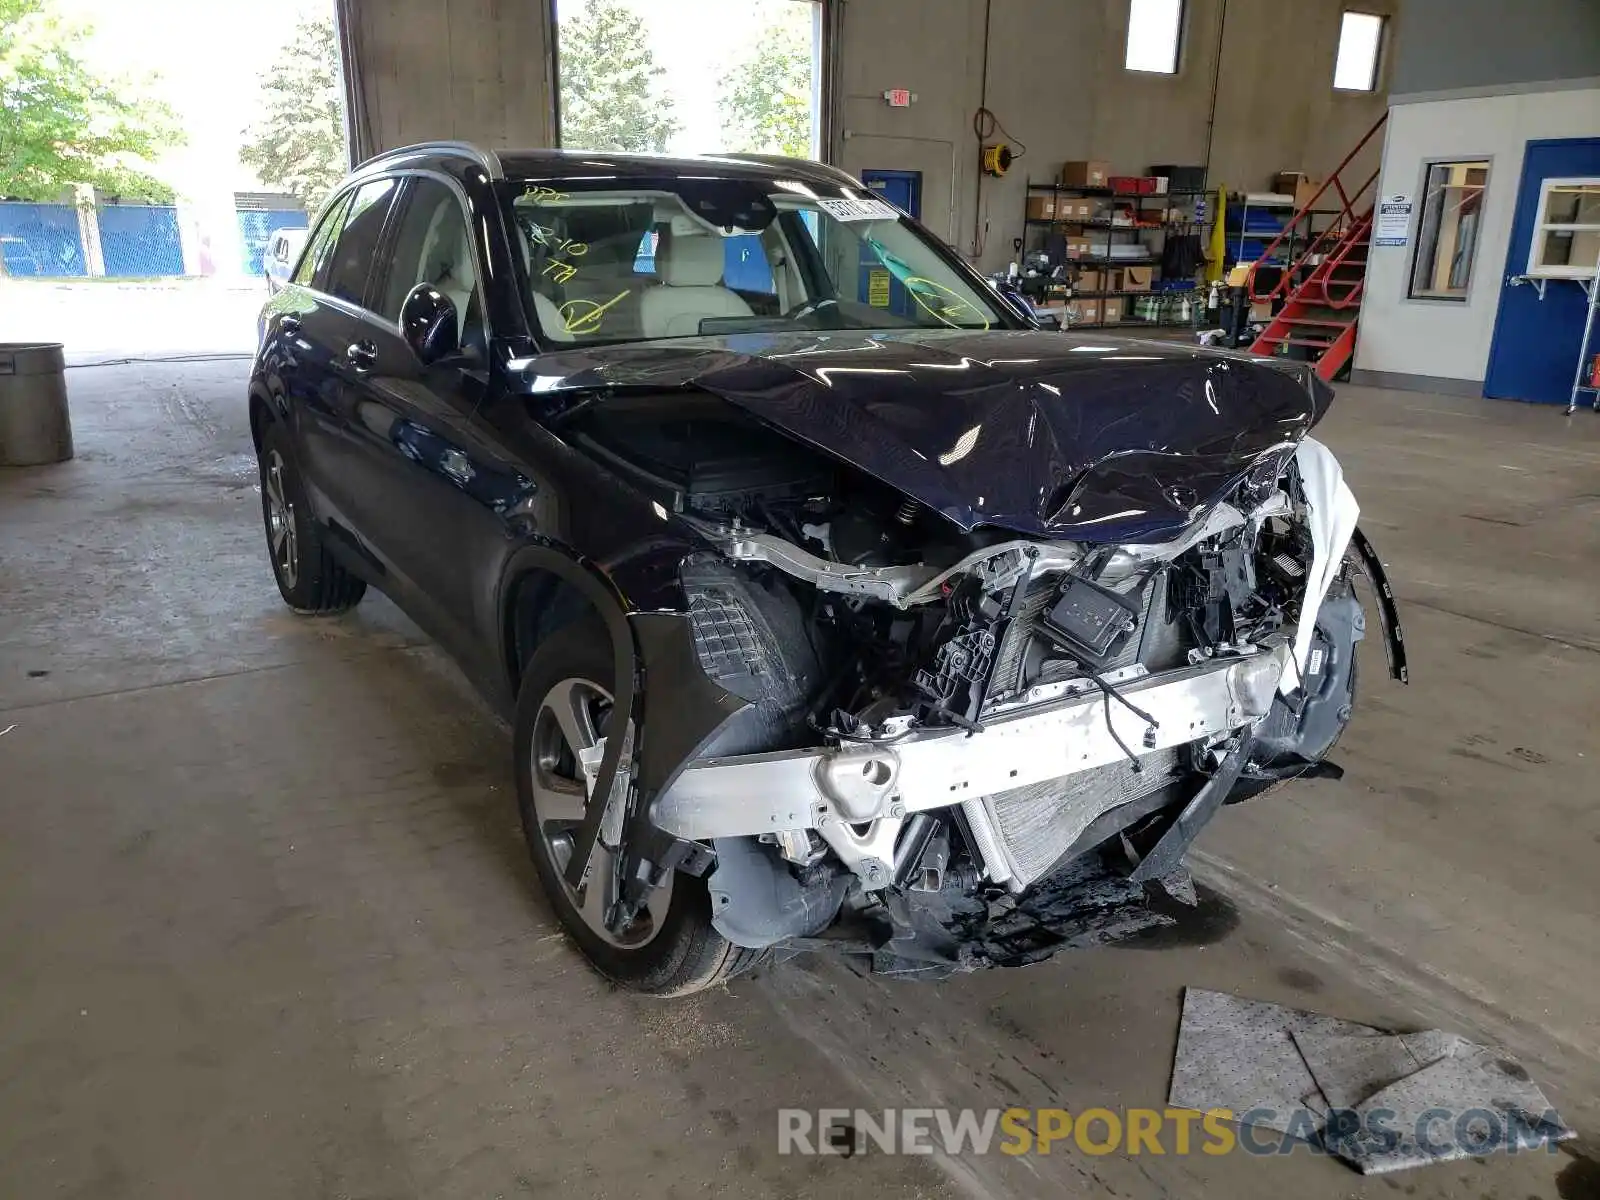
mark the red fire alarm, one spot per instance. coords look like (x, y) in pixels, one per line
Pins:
(899, 97)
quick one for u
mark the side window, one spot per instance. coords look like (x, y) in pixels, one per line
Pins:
(317, 248)
(358, 241)
(433, 246)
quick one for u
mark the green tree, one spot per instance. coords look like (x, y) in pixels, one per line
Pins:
(765, 101)
(609, 96)
(63, 126)
(297, 143)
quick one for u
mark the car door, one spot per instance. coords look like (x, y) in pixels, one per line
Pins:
(298, 345)
(430, 493)
(337, 330)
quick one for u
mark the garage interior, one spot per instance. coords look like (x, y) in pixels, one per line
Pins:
(267, 922)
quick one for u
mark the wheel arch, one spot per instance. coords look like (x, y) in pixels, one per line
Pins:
(264, 407)
(543, 590)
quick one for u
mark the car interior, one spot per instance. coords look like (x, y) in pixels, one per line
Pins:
(611, 268)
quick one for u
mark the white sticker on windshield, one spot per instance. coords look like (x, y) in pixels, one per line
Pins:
(866, 209)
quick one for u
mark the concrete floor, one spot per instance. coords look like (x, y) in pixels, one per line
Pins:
(267, 927)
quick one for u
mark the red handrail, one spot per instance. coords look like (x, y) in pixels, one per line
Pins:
(1328, 236)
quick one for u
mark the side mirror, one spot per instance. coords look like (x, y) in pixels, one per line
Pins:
(428, 324)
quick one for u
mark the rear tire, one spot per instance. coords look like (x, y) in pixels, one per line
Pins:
(310, 579)
(672, 949)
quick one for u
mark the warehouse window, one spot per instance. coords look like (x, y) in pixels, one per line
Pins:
(1566, 242)
(690, 76)
(1154, 30)
(1447, 238)
(1360, 38)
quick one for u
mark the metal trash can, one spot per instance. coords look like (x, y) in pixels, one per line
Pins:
(35, 426)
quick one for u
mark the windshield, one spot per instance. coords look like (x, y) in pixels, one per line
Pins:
(687, 257)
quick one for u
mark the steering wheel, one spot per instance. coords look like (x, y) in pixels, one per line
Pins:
(801, 311)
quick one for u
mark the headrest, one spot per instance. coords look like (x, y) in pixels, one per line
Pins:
(689, 260)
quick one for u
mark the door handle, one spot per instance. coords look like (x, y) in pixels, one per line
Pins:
(363, 356)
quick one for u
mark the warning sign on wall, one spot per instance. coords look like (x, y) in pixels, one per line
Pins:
(878, 288)
(1393, 225)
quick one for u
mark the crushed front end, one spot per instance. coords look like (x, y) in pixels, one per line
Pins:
(950, 742)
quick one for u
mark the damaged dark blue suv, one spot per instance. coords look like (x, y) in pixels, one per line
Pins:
(832, 598)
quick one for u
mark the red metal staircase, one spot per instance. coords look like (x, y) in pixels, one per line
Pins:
(1317, 297)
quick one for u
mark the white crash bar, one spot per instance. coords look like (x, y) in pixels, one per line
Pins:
(804, 789)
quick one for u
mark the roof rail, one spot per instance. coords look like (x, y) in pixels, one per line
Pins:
(487, 159)
(783, 160)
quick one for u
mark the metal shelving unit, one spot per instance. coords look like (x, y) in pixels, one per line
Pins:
(1109, 229)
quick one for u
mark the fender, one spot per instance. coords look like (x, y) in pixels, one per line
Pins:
(643, 646)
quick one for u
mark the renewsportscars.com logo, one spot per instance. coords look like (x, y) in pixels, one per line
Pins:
(1435, 1133)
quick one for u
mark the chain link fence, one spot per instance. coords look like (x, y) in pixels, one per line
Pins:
(41, 240)
(140, 239)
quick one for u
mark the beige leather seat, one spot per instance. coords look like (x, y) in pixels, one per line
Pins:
(689, 267)
(447, 260)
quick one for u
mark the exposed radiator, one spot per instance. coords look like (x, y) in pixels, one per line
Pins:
(1039, 823)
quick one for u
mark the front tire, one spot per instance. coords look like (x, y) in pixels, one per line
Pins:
(565, 705)
(309, 578)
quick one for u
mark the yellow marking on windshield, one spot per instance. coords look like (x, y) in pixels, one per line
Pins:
(584, 316)
(941, 303)
(538, 191)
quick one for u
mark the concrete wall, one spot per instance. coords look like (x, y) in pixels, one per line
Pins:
(1443, 45)
(1057, 83)
(1445, 339)
(420, 70)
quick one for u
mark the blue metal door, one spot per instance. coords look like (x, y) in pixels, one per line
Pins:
(903, 189)
(1535, 347)
(877, 286)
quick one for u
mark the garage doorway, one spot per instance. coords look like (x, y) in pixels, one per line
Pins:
(1555, 238)
(690, 76)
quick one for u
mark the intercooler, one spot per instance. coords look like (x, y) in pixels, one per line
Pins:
(1039, 823)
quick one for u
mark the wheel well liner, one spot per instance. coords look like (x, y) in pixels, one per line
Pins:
(542, 590)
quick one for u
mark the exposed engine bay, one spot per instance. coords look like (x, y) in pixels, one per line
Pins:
(949, 730)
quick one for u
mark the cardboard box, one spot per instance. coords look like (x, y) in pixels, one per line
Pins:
(1094, 279)
(1137, 279)
(1082, 247)
(1077, 209)
(1301, 186)
(1111, 310)
(1089, 173)
(1041, 208)
(1261, 310)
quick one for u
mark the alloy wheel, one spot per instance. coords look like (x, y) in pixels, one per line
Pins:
(572, 718)
(282, 536)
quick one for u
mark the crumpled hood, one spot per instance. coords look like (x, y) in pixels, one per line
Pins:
(1049, 434)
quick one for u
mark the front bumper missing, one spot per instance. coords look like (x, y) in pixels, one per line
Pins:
(832, 789)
